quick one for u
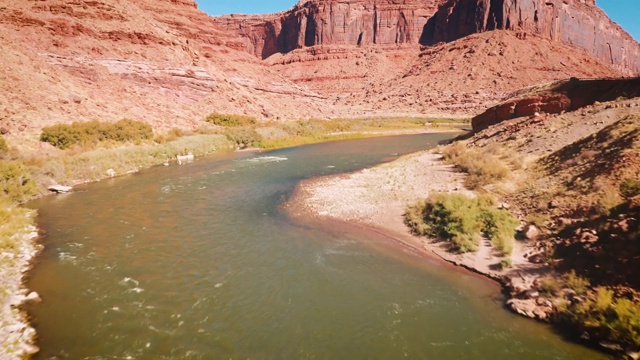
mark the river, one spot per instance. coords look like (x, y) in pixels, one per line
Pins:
(200, 262)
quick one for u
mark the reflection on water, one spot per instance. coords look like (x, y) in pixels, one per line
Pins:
(198, 262)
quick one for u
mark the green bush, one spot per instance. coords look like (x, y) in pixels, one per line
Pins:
(499, 226)
(616, 320)
(64, 136)
(244, 137)
(228, 120)
(16, 182)
(576, 283)
(630, 187)
(462, 220)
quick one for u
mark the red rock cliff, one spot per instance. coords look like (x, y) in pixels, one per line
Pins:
(578, 23)
(332, 22)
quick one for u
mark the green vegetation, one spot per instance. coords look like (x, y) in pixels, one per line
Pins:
(463, 221)
(483, 168)
(607, 200)
(228, 120)
(93, 165)
(630, 187)
(576, 283)
(13, 220)
(607, 317)
(16, 182)
(245, 131)
(244, 137)
(64, 136)
(506, 263)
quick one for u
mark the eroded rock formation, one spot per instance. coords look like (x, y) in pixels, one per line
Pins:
(577, 23)
(333, 22)
(562, 96)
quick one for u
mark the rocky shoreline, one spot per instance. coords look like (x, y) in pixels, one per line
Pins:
(377, 197)
(15, 330)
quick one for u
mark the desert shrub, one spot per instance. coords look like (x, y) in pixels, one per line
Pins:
(61, 136)
(16, 182)
(244, 137)
(4, 148)
(93, 165)
(127, 130)
(14, 220)
(499, 226)
(550, 286)
(462, 221)
(171, 135)
(506, 263)
(576, 283)
(483, 168)
(228, 120)
(607, 199)
(616, 320)
(64, 136)
(630, 187)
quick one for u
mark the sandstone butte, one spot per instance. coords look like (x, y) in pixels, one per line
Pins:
(169, 64)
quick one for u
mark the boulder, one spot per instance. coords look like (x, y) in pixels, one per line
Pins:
(60, 188)
(531, 232)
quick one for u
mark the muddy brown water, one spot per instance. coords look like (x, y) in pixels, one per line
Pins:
(200, 262)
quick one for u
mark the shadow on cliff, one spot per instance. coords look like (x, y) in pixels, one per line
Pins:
(456, 19)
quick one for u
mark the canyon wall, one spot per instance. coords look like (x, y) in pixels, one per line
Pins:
(578, 23)
(332, 22)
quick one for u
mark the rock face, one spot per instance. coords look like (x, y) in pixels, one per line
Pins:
(333, 22)
(578, 23)
(562, 96)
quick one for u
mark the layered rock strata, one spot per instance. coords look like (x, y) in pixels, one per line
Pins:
(331, 22)
(562, 96)
(578, 23)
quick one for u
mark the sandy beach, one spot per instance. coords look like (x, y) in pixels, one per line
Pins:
(377, 198)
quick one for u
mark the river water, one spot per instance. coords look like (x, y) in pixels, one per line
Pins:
(200, 262)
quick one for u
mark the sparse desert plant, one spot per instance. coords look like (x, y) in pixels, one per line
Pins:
(550, 286)
(576, 283)
(506, 263)
(630, 187)
(608, 199)
(230, 120)
(171, 135)
(13, 220)
(4, 148)
(16, 182)
(483, 168)
(244, 137)
(64, 136)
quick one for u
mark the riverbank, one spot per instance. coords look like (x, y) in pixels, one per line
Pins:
(18, 337)
(377, 198)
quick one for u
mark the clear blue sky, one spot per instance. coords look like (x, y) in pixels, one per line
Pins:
(624, 12)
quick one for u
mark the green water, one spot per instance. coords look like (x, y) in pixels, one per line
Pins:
(200, 262)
